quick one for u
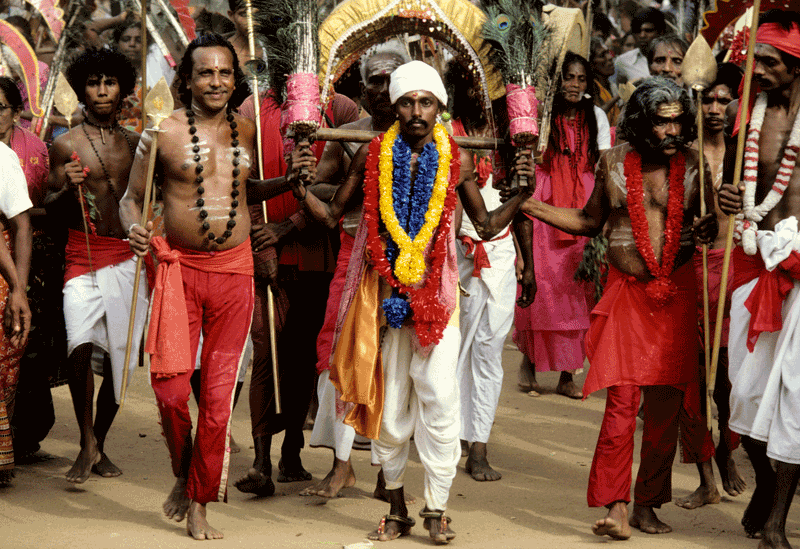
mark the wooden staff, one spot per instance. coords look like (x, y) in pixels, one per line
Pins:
(255, 67)
(159, 104)
(66, 101)
(737, 175)
(365, 136)
(144, 66)
(699, 72)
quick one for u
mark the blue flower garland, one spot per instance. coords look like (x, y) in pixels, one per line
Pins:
(410, 205)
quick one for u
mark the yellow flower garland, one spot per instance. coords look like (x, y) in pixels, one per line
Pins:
(409, 266)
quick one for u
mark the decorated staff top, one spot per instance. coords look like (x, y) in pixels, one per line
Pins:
(65, 99)
(356, 25)
(699, 68)
(516, 37)
(159, 103)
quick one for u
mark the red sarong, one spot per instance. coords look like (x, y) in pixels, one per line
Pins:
(632, 341)
(168, 336)
(105, 251)
(479, 256)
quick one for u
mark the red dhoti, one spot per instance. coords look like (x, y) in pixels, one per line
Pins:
(325, 337)
(218, 293)
(9, 375)
(633, 343)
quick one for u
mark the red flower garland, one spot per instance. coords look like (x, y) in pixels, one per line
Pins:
(430, 315)
(662, 289)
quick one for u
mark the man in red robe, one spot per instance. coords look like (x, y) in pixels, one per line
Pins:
(643, 332)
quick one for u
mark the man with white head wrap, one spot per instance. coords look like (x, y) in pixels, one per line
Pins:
(401, 378)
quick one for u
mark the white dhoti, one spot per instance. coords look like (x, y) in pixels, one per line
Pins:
(97, 310)
(487, 315)
(330, 431)
(420, 399)
(765, 392)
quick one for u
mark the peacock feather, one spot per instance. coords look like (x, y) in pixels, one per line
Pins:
(517, 38)
(288, 30)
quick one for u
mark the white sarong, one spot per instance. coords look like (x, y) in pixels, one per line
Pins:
(487, 315)
(97, 308)
(420, 399)
(765, 392)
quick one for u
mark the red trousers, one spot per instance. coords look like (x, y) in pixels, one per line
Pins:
(221, 305)
(610, 476)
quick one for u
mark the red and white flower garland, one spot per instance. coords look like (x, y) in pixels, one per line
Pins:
(747, 221)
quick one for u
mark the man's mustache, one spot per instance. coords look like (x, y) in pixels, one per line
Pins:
(671, 141)
(418, 121)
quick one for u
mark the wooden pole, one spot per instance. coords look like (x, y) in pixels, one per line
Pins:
(737, 175)
(144, 62)
(706, 320)
(252, 64)
(365, 136)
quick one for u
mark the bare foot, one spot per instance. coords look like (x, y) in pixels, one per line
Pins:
(341, 476)
(535, 392)
(380, 491)
(645, 519)
(477, 464)
(177, 501)
(569, 390)
(6, 477)
(758, 510)
(255, 482)
(732, 482)
(615, 524)
(105, 468)
(235, 448)
(87, 458)
(292, 473)
(774, 540)
(464, 448)
(392, 527)
(196, 524)
(704, 495)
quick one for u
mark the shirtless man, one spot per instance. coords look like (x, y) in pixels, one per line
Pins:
(99, 285)
(419, 354)
(205, 268)
(762, 349)
(697, 445)
(329, 430)
(639, 192)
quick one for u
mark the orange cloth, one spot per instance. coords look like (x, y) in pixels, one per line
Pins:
(168, 335)
(356, 368)
(105, 251)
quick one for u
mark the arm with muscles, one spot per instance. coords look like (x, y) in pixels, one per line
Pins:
(132, 204)
(523, 242)
(327, 213)
(703, 229)
(586, 221)
(489, 224)
(17, 314)
(66, 173)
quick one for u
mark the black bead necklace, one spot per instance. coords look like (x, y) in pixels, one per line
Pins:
(199, 180)
(113, 127)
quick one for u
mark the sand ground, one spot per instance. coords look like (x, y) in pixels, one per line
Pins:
(542, 446)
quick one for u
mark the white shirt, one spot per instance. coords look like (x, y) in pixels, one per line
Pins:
(630, 66)
(603, 129)
(14, 197)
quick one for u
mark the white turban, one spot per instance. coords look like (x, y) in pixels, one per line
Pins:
(416, 76)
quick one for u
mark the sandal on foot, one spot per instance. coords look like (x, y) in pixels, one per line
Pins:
(406, 523)
(442, 522)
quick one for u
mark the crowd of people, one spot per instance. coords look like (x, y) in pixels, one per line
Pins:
(393, 271)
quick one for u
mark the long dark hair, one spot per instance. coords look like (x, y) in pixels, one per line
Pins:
(585, 105)
(241, 89)
(101, 62)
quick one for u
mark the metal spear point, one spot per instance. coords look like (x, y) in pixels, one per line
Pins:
(66, 101)
(159, 105)
(699, 70)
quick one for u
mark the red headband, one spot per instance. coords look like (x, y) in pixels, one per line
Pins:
(775, 35)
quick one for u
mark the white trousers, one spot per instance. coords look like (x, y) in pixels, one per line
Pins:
(420, 399)
(487, 315)
(329, 431)
(97, 308)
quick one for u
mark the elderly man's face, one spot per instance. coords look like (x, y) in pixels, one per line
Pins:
(667, 61)
(667, 128)
(376, 86)
(416, 112)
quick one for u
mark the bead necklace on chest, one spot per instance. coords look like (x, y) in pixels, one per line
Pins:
(200, 202)
(112, 128)
(747, 221)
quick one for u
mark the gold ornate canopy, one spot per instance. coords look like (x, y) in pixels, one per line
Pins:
(356, 25)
